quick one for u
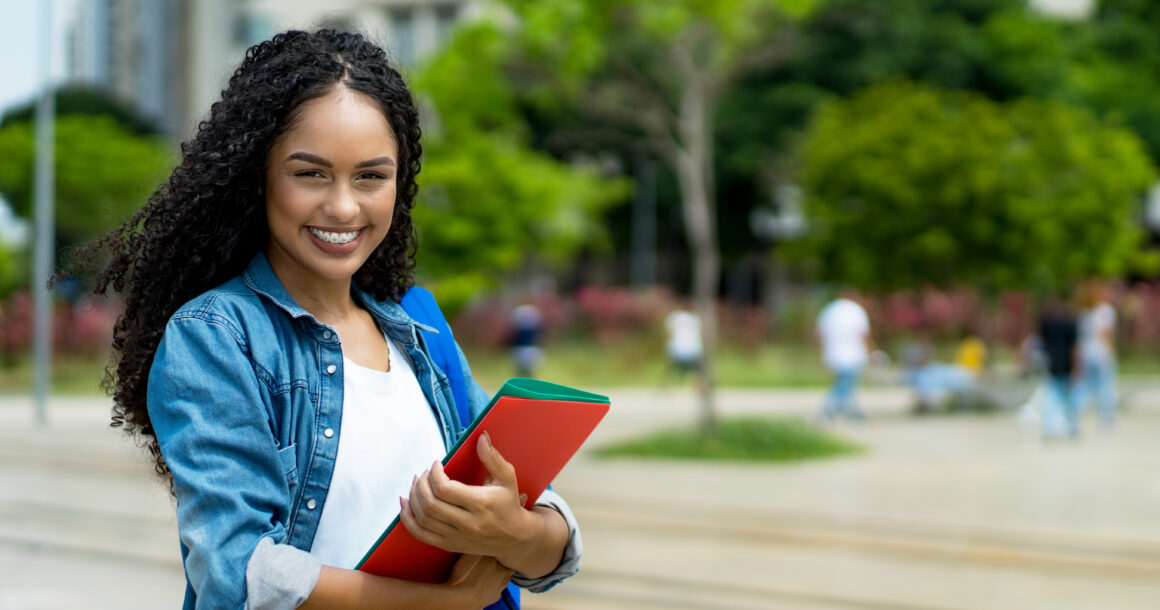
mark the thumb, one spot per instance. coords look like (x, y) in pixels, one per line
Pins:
(500, 471)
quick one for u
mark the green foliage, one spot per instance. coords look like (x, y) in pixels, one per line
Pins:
(909, 186)
(750, 439)
(13, 270)
(997, 47)
(1116, 66)
(488, 201)
(103, 173)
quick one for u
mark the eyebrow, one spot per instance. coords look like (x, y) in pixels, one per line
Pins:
(315, 159)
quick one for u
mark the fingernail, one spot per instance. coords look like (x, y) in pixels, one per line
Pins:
(485, 438)
(523, 499)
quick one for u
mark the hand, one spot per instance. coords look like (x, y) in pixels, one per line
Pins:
(481, 578)
(488, 519)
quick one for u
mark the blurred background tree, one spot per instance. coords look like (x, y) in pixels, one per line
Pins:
(911, 186)
(652, 76)
(490, 203)
(108, 160)
(1116, 66)
(104, 173)
(13, 270)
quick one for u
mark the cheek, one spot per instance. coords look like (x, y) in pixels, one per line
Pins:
(284, 204)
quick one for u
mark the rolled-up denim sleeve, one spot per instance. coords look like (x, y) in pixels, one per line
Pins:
(206, 406)
(280, 576)
(570, 562)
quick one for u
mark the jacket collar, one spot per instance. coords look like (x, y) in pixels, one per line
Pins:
(260, 277)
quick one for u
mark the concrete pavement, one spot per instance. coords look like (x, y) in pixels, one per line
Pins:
(941, 513)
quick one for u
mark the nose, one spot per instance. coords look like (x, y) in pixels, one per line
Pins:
(342, 204)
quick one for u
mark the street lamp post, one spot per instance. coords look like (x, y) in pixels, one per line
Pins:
(44, 241)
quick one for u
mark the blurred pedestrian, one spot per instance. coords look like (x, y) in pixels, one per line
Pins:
(843, 329)
(683, 347)
(1097, 353)
(1059, 335)
(527, 329)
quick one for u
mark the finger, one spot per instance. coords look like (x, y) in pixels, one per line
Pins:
(449, 490)
(500, 471)
(417, 501)
(449, 500)
(422, 534)
(431, 512)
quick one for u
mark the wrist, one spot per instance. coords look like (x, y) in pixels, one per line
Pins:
(531, 529)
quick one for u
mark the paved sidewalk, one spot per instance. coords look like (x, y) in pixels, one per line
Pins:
(941, 513)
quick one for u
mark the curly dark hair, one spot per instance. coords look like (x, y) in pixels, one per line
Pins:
(203, 225)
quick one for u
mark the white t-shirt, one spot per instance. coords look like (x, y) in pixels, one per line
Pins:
(684, 335)
(389, 434)
(1093, 324)
(843, 327)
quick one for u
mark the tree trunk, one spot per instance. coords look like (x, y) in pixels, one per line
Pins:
(695, 175)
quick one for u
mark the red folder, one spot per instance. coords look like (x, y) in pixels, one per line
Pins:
(535, 425)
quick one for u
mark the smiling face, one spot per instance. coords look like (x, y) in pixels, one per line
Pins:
(330, 190)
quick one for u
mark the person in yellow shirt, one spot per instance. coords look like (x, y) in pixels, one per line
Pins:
(972, 354)
(935, 382)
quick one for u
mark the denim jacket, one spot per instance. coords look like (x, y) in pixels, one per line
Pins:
(245, 397)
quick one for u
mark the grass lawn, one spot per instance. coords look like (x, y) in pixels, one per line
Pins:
(573, 363)
(753, 439)
(641, 364)
(70, 375)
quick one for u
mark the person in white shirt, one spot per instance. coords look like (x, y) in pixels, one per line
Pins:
(684, 344)
(843, 329)
(1097, 353)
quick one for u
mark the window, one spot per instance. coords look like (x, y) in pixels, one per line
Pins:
(446, 15)
(402, 35)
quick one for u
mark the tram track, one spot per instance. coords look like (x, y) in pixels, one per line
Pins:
(911, 538)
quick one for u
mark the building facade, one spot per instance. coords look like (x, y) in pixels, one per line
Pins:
(172, 58)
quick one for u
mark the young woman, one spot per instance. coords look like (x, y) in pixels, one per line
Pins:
(264, 360)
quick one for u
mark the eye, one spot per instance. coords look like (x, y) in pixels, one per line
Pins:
(308, 173)
(371, 176)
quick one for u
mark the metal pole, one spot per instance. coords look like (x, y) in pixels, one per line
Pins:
(45, 222)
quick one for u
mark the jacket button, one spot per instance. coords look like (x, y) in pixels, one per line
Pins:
(329, 432)
(311, 504)
(326, 334)
(331, 369)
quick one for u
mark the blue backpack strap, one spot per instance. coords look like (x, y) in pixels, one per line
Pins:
(420, 304)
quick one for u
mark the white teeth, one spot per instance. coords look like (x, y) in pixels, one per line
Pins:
(334, 238)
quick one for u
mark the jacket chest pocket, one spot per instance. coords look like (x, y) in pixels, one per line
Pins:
(289, 462)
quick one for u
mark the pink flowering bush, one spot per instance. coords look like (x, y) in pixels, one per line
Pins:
(85, 329)
(612, 316)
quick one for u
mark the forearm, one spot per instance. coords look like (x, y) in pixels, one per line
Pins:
(542, 551)
(339, 589)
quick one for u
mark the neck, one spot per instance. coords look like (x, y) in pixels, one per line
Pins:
(329, 301)
(329, 304)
